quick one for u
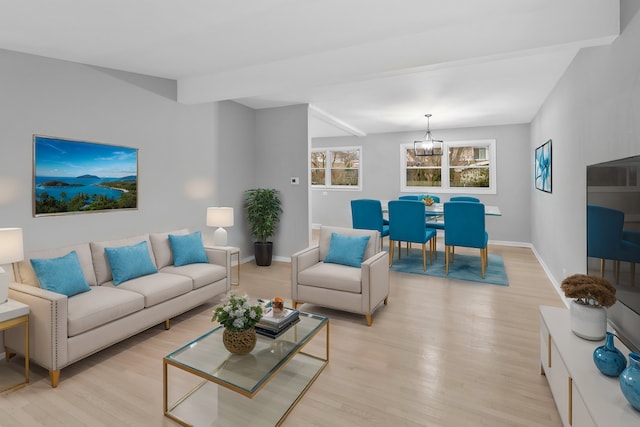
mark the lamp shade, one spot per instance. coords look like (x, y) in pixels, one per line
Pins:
(220, 217)
(11, 246)
(11, 250)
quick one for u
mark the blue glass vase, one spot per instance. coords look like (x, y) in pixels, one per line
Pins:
(630, 381)
(608, 359)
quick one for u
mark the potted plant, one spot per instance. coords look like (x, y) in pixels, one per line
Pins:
(239, 319)
(263, 213)
(591, 294)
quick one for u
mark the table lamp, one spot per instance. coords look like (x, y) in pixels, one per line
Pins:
(11, 250)
(220, 217)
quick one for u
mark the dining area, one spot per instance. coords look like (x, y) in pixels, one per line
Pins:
(417, 221)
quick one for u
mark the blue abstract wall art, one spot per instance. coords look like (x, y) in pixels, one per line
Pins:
(542, 167)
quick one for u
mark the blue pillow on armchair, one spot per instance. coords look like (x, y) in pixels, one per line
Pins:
(346, 250)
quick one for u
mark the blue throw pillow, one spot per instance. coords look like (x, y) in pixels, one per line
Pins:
(62, 275)
(129, 262)
(346, 250)
(187, 249)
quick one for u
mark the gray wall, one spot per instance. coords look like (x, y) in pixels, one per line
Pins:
(190, 157)
(281, 151)
(177, 146)
(381, 177)
(236, 136)
(592, 116)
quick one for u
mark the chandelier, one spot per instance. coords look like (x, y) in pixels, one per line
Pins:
(427, 146)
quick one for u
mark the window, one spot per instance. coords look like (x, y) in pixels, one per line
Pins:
(465, 167)
(337, 167)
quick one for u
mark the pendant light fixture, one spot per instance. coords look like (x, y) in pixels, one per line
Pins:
(428, 146)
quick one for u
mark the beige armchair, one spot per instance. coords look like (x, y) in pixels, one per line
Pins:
(357, 290)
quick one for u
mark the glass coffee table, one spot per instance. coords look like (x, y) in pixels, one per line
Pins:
(259, 388)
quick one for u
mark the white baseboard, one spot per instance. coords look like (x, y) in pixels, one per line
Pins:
(556, 284)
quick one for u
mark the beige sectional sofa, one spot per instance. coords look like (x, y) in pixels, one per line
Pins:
(66, 329)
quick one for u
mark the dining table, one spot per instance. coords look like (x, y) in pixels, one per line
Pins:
(435, 212)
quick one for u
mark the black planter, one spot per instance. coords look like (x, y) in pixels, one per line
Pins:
(263, 253)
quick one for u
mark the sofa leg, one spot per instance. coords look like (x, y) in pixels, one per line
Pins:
(167, 324)
(295, 304)
(55, 377)
(386, 301)
(368, 316)
(8, 354)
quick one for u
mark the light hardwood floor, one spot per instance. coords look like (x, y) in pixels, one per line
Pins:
(441, 353)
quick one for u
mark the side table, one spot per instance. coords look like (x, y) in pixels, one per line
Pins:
(14, 314)
(234, 251)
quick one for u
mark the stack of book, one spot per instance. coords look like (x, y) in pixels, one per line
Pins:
(274, 326)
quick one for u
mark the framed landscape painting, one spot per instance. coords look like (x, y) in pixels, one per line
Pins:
(542, 167)
(71, 176)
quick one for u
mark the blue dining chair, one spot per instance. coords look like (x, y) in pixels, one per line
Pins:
(606, 239)
(407, 224)
(464, 199)
(464, 226)
(366, 214)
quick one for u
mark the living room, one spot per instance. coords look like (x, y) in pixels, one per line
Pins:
(192, 156)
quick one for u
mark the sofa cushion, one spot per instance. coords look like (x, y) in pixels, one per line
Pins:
(162, 248)
(346, 250)
(62, 275)
(99, 306)
(200, 274)
(99, 258)
(129, 262)
(28, 276)
(332, 276)
(187, 249)
(158, 287)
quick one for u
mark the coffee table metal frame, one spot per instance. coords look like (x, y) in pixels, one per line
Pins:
(296, 338)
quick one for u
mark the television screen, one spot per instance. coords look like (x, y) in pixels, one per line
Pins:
(613, 238)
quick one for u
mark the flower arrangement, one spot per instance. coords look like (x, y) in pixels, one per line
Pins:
(589, 290)
(237, 315)
(428, 201)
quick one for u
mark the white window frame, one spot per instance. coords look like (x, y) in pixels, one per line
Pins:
(444, 188)
(327, 174)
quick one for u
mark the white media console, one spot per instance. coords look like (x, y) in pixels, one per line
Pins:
(583, 395)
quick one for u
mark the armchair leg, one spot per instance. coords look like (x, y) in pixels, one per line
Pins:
(483, 256)
(386, 300)
(167, 324)
(602, 268)
(295, 304)
(368, 317)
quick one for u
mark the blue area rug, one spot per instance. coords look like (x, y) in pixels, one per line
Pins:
(465, 267)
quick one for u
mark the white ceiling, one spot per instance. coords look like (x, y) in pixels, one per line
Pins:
(366, 66)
